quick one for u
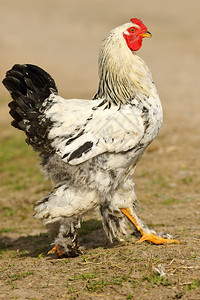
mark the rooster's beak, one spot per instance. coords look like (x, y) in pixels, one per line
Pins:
(146, 34)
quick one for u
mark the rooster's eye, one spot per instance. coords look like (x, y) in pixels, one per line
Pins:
(132, 29)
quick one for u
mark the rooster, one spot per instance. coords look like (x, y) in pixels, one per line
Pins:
(90, 148)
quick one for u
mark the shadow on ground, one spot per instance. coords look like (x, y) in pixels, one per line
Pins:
(91, 236)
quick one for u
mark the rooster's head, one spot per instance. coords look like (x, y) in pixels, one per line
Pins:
(135, 34)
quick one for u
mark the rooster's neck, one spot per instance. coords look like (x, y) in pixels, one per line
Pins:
(124, 76)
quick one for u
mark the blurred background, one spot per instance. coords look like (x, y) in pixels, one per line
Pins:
(63, 37)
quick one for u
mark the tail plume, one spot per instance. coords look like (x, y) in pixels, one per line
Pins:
(29, 86)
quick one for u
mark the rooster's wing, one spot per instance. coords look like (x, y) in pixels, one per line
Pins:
(83, 129)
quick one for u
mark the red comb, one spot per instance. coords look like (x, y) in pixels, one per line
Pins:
(139, 23)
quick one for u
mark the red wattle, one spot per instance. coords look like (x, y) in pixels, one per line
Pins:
(133, 43)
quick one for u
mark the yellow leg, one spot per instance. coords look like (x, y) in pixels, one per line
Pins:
(149, 237)
(56, 250)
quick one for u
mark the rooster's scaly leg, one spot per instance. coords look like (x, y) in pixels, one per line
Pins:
(147, 234)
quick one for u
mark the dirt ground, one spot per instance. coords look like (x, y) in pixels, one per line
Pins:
(63, 37)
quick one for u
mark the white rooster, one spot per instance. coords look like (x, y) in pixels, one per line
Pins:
(91, 148)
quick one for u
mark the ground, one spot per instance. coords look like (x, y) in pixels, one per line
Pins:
(65, 40)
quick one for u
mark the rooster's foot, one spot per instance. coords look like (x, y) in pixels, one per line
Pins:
(62, 253)
(158, 240)
(56, 249)
(147, 234)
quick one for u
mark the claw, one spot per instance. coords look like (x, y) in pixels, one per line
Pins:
(56, 250)
(152, 238)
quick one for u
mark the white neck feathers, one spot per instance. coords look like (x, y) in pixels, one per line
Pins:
(123, 75)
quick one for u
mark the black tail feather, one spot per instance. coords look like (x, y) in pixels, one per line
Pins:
(29, 86)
